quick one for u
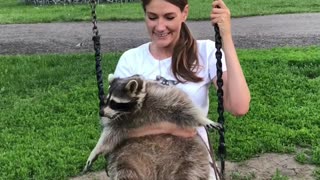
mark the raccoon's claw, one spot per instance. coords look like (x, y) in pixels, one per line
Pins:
(216, 126)
(87, 167)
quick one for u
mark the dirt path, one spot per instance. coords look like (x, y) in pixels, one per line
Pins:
(262, 167)
(250, 32)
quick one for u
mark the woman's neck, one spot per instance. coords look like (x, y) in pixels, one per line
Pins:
(160, 53)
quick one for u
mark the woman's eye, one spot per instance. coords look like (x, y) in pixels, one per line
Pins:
(152, 18)
(170, 18)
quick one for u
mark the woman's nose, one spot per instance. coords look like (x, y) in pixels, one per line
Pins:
(161, 25)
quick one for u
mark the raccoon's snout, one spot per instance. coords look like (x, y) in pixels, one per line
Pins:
(105, 112)
(101, 112)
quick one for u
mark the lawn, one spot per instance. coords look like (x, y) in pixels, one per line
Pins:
(16, 12)
(49, 110)
(49, 106)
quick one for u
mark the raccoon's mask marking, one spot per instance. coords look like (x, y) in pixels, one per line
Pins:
(119, 106)
(124, 95)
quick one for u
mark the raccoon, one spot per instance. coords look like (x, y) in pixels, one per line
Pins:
(134, 102)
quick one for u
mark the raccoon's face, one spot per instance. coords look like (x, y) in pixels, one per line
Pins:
(126, 95)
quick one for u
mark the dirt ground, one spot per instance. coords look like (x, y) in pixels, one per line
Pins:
(262, 167)
(257, 32)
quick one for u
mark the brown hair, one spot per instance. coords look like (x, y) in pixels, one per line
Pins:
(185, 62)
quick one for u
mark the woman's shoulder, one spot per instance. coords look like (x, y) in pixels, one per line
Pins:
(131, 60)
(134, 57)
(205, 44)
(206, 47)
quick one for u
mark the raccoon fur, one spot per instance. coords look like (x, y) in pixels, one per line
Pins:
(134, 102)
(159, 157)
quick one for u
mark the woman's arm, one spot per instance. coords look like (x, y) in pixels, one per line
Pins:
(163, 128)
(236, 91)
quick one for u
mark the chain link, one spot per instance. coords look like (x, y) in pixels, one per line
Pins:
(98, 57)
(93, 4)
(220, 108)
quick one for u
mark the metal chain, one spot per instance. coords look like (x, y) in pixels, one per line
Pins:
(93, 4)
(220, 108)
(97, 49)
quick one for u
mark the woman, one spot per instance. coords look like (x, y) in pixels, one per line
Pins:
(174, 57)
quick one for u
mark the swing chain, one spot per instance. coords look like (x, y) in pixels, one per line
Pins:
(220, 108)
(93, 4)
(97, 49)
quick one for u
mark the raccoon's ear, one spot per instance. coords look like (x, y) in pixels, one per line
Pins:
(110, 78)
(132, 86)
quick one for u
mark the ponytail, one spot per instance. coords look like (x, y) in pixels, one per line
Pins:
(185, 62)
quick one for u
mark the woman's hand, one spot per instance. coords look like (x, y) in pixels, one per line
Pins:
(236, 92)
(163, 128)
(221, 15)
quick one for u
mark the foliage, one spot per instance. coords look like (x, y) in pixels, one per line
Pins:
(316, 174)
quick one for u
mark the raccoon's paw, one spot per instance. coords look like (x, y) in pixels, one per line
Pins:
(87, 167)
(110, 78)
(214, 125)
(210, 124)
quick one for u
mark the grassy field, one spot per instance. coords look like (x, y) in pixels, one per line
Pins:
(16, 12)
(49, 110)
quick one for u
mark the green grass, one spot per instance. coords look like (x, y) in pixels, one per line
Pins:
(279, 176)
(16, 12)
(49, 110)
(49, 107)
(284, 111)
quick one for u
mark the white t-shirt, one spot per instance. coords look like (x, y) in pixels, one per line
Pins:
(140, 61)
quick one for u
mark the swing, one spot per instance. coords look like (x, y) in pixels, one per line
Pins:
(220, 108)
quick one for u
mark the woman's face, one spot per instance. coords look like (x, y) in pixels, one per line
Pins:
(163, 21)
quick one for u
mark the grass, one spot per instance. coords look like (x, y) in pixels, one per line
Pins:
(283, 112)
(49, 107)
(279, 176)
(49, 110)
(17, 12)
